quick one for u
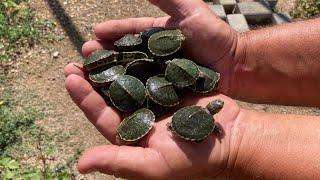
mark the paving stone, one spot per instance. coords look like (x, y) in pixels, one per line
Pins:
(254, 12)
(280, 18)
(238, 22)
(218, 10)
(272, 3)
(228, 5)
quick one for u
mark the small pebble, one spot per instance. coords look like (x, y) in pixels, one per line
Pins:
(55, 54)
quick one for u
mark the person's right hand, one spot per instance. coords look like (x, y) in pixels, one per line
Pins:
(209, 40)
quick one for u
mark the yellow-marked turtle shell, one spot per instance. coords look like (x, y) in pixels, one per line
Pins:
(136, 126)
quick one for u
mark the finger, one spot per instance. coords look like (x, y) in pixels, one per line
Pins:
(110, 31)
(94, 45)
(73, 68)
(179, 8)
(103, 117)
(124, 161)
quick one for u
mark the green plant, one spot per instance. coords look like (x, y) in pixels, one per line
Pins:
(10, 169)
(306, 9)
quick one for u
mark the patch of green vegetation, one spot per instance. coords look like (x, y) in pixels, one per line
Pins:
(14, 120)
(10, 169)
(20, 137)
(306, 9)
(20, 28)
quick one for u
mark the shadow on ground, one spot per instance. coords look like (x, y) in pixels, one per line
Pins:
(67, 24)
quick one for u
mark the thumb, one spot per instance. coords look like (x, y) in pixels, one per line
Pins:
(124, 161)
(179, 8)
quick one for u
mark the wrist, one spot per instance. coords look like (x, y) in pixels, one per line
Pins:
(239, 63)
(246, 138)
(234, 66)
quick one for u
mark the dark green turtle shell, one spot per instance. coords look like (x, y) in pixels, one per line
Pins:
(192, 123)
(182, 72)
(165, 43)
(127, 57)
(127, 93)
(142, 69)
(100, 58)
(136, 126)
(162, 91)
(207, 80)
(102, 76)
(128, 42)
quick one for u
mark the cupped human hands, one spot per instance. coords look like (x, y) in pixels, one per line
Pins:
(160, 154)
(209, 40)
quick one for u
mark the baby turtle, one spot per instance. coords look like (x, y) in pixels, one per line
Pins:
(165, 43)
(100, 58)
(182, 72)
(142, 69)
(103, 76)
(162, 91)
(195, 123)
(136, 126)
(127, 93)
(127, 57)
(128, 42)
(207, 80)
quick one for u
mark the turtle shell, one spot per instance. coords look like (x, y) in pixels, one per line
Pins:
(136, 126)
(129, 42)
(127, 93)
(182, 72)
(162, 91)
(192, 123)
(102, 76)
(146, 34)
(207, 80)
(165, 43)
(142, 69)
(100, 58)
(127, 57)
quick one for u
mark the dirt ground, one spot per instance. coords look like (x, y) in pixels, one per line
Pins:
(39, 72)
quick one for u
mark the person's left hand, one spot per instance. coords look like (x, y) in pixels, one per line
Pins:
(159, 155)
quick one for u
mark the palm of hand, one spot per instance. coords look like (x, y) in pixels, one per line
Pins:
(181, 158)
(160, 154)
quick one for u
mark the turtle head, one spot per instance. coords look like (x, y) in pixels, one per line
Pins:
(215, 106)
